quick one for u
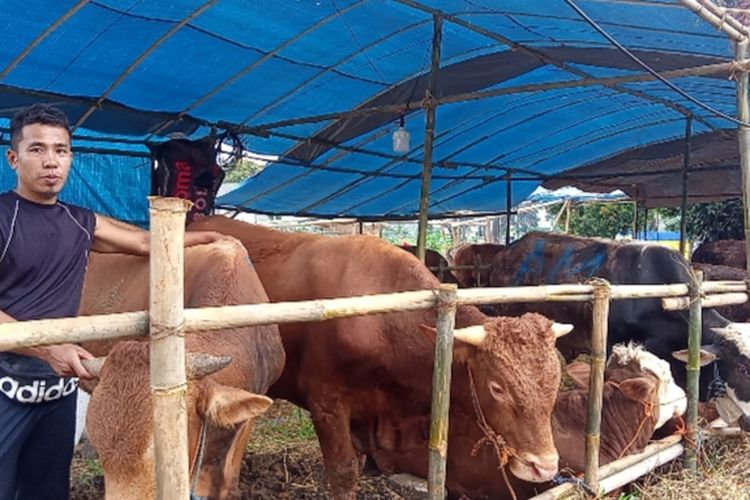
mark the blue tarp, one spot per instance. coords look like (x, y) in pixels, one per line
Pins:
(138, 70)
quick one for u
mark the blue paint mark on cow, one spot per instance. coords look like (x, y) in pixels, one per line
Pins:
(533, 261)
(571, 263)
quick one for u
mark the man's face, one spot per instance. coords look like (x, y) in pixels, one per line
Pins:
(42, 162)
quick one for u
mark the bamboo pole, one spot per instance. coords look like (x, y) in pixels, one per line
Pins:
(441, 390)
(743, 134)
(724, 23)
(167, 324)
(430, 104)
(600, 318)
(624, 470)
(131, 324)
(685, 168)
(693, 369)
(723, 299)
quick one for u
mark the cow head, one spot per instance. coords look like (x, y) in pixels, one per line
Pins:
(730, 350)
(630, 361)
(516, 374)
(120, 424)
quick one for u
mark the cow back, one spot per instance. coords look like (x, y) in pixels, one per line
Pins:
(721, 252)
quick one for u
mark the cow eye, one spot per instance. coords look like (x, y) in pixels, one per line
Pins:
(744, 371)
(496, 391)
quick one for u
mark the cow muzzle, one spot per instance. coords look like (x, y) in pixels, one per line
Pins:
(534, 468)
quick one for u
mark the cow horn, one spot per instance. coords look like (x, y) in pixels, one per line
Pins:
(473, 335)
(199, 365)
(94, 365)
(561, 329)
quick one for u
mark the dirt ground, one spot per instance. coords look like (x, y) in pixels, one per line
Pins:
(284, 462)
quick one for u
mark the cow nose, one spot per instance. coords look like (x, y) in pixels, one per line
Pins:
(535, 468)
(745, 423)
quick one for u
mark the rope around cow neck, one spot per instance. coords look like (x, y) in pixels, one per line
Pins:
(502, 450)
(198, 460)
(648, 413)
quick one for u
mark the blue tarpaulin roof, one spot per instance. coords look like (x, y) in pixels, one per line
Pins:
(284, 74)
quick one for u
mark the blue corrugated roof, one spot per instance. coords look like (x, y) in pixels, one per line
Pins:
(139, 70)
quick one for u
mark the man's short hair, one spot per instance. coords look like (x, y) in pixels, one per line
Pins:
(36, 113)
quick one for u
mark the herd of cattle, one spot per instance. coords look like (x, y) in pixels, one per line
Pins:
(366, 380)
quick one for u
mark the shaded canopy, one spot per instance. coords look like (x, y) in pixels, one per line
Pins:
(322, 84)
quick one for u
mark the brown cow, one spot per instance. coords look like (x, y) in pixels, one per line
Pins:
(352, 373)
(474, 254)
(224, 403)
(721, 252)
(640, 395)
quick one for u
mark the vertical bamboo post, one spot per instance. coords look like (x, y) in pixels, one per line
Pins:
(693, 367)
(743, 134)
(441, 390)
(166, 313)
(430, 103)
(685, 168)
(600, 319)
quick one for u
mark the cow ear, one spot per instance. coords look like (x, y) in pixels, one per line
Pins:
(461, 350)
(638, 389)
(227, 406)
(580, 373)
(708, 355)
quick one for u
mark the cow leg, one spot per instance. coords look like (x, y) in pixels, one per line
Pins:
(342, 465)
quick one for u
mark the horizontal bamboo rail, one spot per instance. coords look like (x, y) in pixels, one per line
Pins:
(720, 299)
(622, 471)
(133, 324)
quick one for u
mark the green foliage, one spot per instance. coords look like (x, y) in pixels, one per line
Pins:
(241, 169)
(437, 239)
(605, 220)
(721, 220)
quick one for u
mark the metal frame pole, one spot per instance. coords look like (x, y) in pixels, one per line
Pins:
(685, 168)
(508, 205)
(430, 104)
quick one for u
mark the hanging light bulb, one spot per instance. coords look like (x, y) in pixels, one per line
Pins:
(401, 138)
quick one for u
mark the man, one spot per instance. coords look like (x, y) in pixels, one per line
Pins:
(44, 249)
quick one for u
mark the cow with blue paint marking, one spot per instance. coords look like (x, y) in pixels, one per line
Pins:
(549, 258)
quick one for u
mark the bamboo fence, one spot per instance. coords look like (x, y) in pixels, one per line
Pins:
(168, 324)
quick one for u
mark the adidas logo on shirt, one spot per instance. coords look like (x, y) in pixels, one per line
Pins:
(38, 390)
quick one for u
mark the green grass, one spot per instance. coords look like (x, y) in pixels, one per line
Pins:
(283, 426)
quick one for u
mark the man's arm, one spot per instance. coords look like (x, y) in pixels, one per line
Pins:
(113, 236)
(65, 359)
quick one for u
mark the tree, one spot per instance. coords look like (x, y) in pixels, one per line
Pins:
(240, 170)
(605, 220)
(721, 220)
